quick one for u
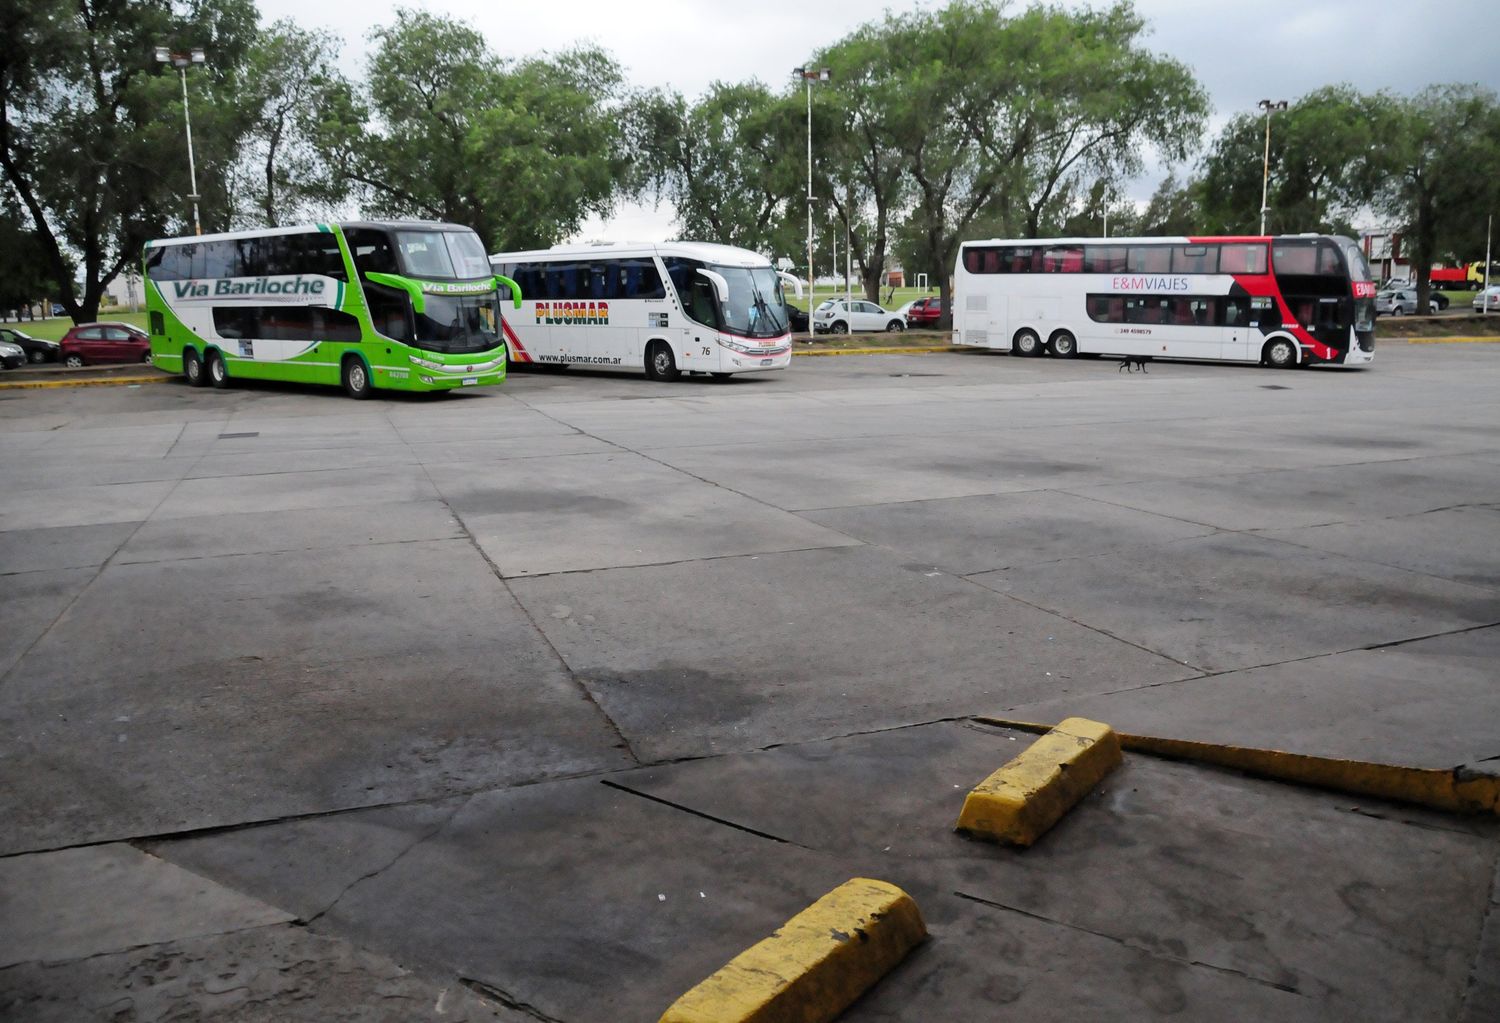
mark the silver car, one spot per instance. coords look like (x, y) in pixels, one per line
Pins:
(1488, 300)
(839, 316)
(1400, 302)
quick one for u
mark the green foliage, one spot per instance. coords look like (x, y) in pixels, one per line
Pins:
(291, 96)
(521, 152)
(24, 279)
(728, 163)
(1436, 162)
(1003, 125)
(86, 114)
(1324, 150)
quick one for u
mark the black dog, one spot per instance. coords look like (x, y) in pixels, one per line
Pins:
(1130, 362)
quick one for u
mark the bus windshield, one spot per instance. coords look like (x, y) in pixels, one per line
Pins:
(442, 255)
(458, 324)
(756, 307)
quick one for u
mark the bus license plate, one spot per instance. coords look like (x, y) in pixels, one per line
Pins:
(766, 362)
(470, 381)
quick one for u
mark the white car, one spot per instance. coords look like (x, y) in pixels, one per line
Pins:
(1488, 300)
(839, 316)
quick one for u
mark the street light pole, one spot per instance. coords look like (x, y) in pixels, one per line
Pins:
(810, 75)
(182, 61)
(1269, 106)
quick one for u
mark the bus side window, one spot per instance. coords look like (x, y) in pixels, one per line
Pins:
(1236, 311)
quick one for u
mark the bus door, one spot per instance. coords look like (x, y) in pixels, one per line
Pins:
(1246, 319)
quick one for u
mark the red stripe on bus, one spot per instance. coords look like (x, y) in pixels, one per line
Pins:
(522, 355)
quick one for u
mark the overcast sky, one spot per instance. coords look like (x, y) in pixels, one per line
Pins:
(1241, 52)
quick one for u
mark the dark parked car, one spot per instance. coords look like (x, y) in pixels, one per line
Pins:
(11, 355)
(35, 348)
(90, 343)
(924, 312)
(796, 318)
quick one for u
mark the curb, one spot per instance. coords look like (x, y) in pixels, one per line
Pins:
(1021, 801)
(159, 378)
(915, 350)
(1450, 340)
(1455, 790)
(815, 965)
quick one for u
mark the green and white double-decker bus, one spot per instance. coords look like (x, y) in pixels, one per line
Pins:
(408, 306)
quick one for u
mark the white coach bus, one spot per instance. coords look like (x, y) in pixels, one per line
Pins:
(1290, 300)
(670, 308)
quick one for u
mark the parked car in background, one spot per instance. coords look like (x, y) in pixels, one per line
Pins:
(91, 343)
(11, 355)
(840, 316)
(796, 319)
(924, 312)
(1399, 302)
(1439, 299)
(35, 348)
(1488, 300)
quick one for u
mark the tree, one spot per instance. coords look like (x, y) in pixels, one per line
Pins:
(24, 279)
(292, 87)
(727, 163)
(521, 152)
(88, 120)
(1321, 165)
(1436, 160)
(1000, 122)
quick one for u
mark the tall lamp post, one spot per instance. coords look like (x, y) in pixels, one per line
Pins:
(183, 61)
(808, 76)
(1270, 107)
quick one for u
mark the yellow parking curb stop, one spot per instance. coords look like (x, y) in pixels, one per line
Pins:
(815, 965)
(1021, 801)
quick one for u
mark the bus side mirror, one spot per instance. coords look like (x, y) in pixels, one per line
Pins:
(795, 282)
(515, 289)
(721, 286)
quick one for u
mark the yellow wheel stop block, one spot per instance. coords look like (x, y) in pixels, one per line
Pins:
(815, 965)
(1021, 801)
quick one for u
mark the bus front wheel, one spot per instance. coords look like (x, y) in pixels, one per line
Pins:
(192, 368)
(356, 378)
(1280, 354)
(660, 365)
(1027, 343)
(217, 375)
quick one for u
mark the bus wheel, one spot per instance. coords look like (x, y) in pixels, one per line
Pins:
(192, 368)
(1064, 345)
(217, 375)
(660, 365)
(1027, 343)
(356, 378)
(1280, 354)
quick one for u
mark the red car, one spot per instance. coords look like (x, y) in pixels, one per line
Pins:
(90, 343)
(924, 312)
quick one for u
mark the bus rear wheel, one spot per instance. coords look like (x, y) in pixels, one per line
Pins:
(217, 374)
(356, 378)
(192, 368)
(1026, 343)
(1064, 345)
(1279, 354)
(660, 364)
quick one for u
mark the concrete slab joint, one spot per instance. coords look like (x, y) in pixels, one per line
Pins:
(815, 965)
(1020, 802)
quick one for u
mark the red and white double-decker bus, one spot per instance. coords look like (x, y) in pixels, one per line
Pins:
(1290, 300)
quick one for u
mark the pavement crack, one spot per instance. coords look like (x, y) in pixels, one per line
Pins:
(428, 834)
(1133, 945)
(495, 994)
(699, 813)
(614, 726)
(1477, 964)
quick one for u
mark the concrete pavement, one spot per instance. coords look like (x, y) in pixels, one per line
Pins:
(453, 707)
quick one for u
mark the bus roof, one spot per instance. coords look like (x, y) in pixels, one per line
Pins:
(271, 232)
(1157, 239)
(708, 252)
